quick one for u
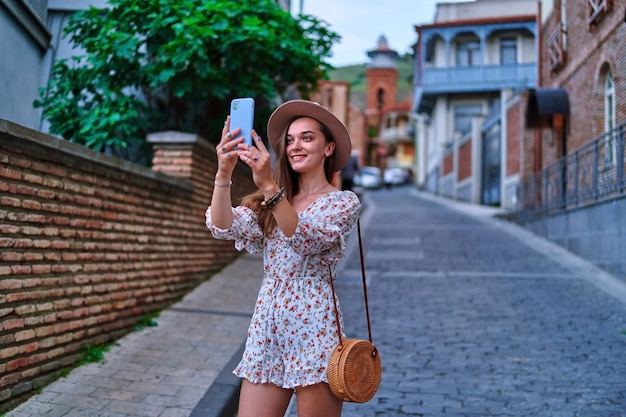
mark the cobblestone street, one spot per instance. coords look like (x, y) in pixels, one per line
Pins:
(474, 317)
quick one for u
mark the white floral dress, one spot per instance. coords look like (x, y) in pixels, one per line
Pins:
(293, 328)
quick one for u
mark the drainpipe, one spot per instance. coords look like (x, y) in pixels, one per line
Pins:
(537, 160)
(538, 156)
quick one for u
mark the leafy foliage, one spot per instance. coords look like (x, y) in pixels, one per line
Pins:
(147, 320)
(175, 64)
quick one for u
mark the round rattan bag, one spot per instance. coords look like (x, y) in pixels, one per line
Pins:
(354, 370)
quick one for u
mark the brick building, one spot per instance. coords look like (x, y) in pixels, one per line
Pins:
(573, 189)
(583, 53)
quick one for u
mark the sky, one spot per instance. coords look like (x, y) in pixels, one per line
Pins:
(361, 22)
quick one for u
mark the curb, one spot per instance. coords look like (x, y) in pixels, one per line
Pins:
(580, 267)
(222, 397)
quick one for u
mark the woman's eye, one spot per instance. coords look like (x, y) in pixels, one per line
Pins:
(306, 138)
(289, 141)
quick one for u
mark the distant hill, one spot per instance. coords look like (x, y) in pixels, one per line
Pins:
(355, 76)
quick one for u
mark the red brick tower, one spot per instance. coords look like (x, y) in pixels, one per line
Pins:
(382, 78)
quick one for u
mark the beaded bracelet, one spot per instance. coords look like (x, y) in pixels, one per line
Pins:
(223, 185)
(273, 200)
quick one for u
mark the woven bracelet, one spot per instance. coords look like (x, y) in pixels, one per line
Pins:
(273, 200)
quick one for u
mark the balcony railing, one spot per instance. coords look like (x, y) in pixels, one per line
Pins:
(396, 134)
(478, 78)
(592, 173)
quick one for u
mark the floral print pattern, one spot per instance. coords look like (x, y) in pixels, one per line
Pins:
(293, 329)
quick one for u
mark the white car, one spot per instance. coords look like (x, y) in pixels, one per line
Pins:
(369, 177)
(396, 176)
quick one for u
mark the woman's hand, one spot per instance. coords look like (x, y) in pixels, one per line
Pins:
(258, 158)
(227, 154)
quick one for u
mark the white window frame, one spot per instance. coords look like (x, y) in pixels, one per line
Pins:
(509, 44)
(610, 150)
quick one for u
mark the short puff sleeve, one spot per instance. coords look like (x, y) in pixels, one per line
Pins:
(323, 228)
(244, 230)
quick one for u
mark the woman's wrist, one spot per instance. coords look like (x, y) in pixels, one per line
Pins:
(274, 199)
(223, 185)
(223, 179)
(269, 190)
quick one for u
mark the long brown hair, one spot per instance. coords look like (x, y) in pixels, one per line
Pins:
(286, 178)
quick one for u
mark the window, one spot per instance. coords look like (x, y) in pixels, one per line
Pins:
(467, 53)
(609, 119)
(463, 115)
(380, 99)
(508, 51)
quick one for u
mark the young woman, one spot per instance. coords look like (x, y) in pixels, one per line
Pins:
(300, 222)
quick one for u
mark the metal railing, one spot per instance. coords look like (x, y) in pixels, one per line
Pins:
(591, 173)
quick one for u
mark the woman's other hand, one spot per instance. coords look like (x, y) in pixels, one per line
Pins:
(258, 158)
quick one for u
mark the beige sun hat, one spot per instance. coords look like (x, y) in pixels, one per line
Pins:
(287, 112)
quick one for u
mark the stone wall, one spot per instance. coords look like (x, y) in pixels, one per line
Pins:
(90, 243)
(596, 232)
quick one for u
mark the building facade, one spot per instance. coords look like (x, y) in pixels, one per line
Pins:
(582, 53)
(573, 190)
(24, 43)
(470, 64)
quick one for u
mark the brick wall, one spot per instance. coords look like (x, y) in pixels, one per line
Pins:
(385, 79)
(465, 161)
(590, 53)
(90, 243)
(514, 132)
(448, 164)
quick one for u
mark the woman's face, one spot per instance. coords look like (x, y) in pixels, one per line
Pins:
(306, 147)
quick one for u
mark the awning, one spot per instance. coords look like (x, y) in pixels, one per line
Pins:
(543, 103)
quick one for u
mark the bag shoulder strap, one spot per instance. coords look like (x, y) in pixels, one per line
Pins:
(332, 286)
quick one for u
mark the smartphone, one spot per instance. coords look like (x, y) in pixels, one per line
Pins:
(242, 116)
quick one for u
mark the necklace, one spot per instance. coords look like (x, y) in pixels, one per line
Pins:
(313, 193)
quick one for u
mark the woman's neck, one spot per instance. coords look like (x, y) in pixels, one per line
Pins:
(312, 184)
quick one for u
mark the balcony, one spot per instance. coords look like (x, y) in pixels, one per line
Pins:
(396, 134)
(478, 78)
(473, 79)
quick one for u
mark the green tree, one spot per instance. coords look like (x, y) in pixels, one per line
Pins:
(176, 64)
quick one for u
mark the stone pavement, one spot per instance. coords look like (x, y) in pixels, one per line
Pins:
(473, 316)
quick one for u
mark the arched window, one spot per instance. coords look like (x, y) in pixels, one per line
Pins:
(380, 98)
(609, 119)
(609, 103)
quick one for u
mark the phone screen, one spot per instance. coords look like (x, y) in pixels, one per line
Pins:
(242, 116)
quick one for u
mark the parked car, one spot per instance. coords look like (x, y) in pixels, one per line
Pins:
(369, 177)
(396, 176)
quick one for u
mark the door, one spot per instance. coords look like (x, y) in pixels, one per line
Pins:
(490, 178)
